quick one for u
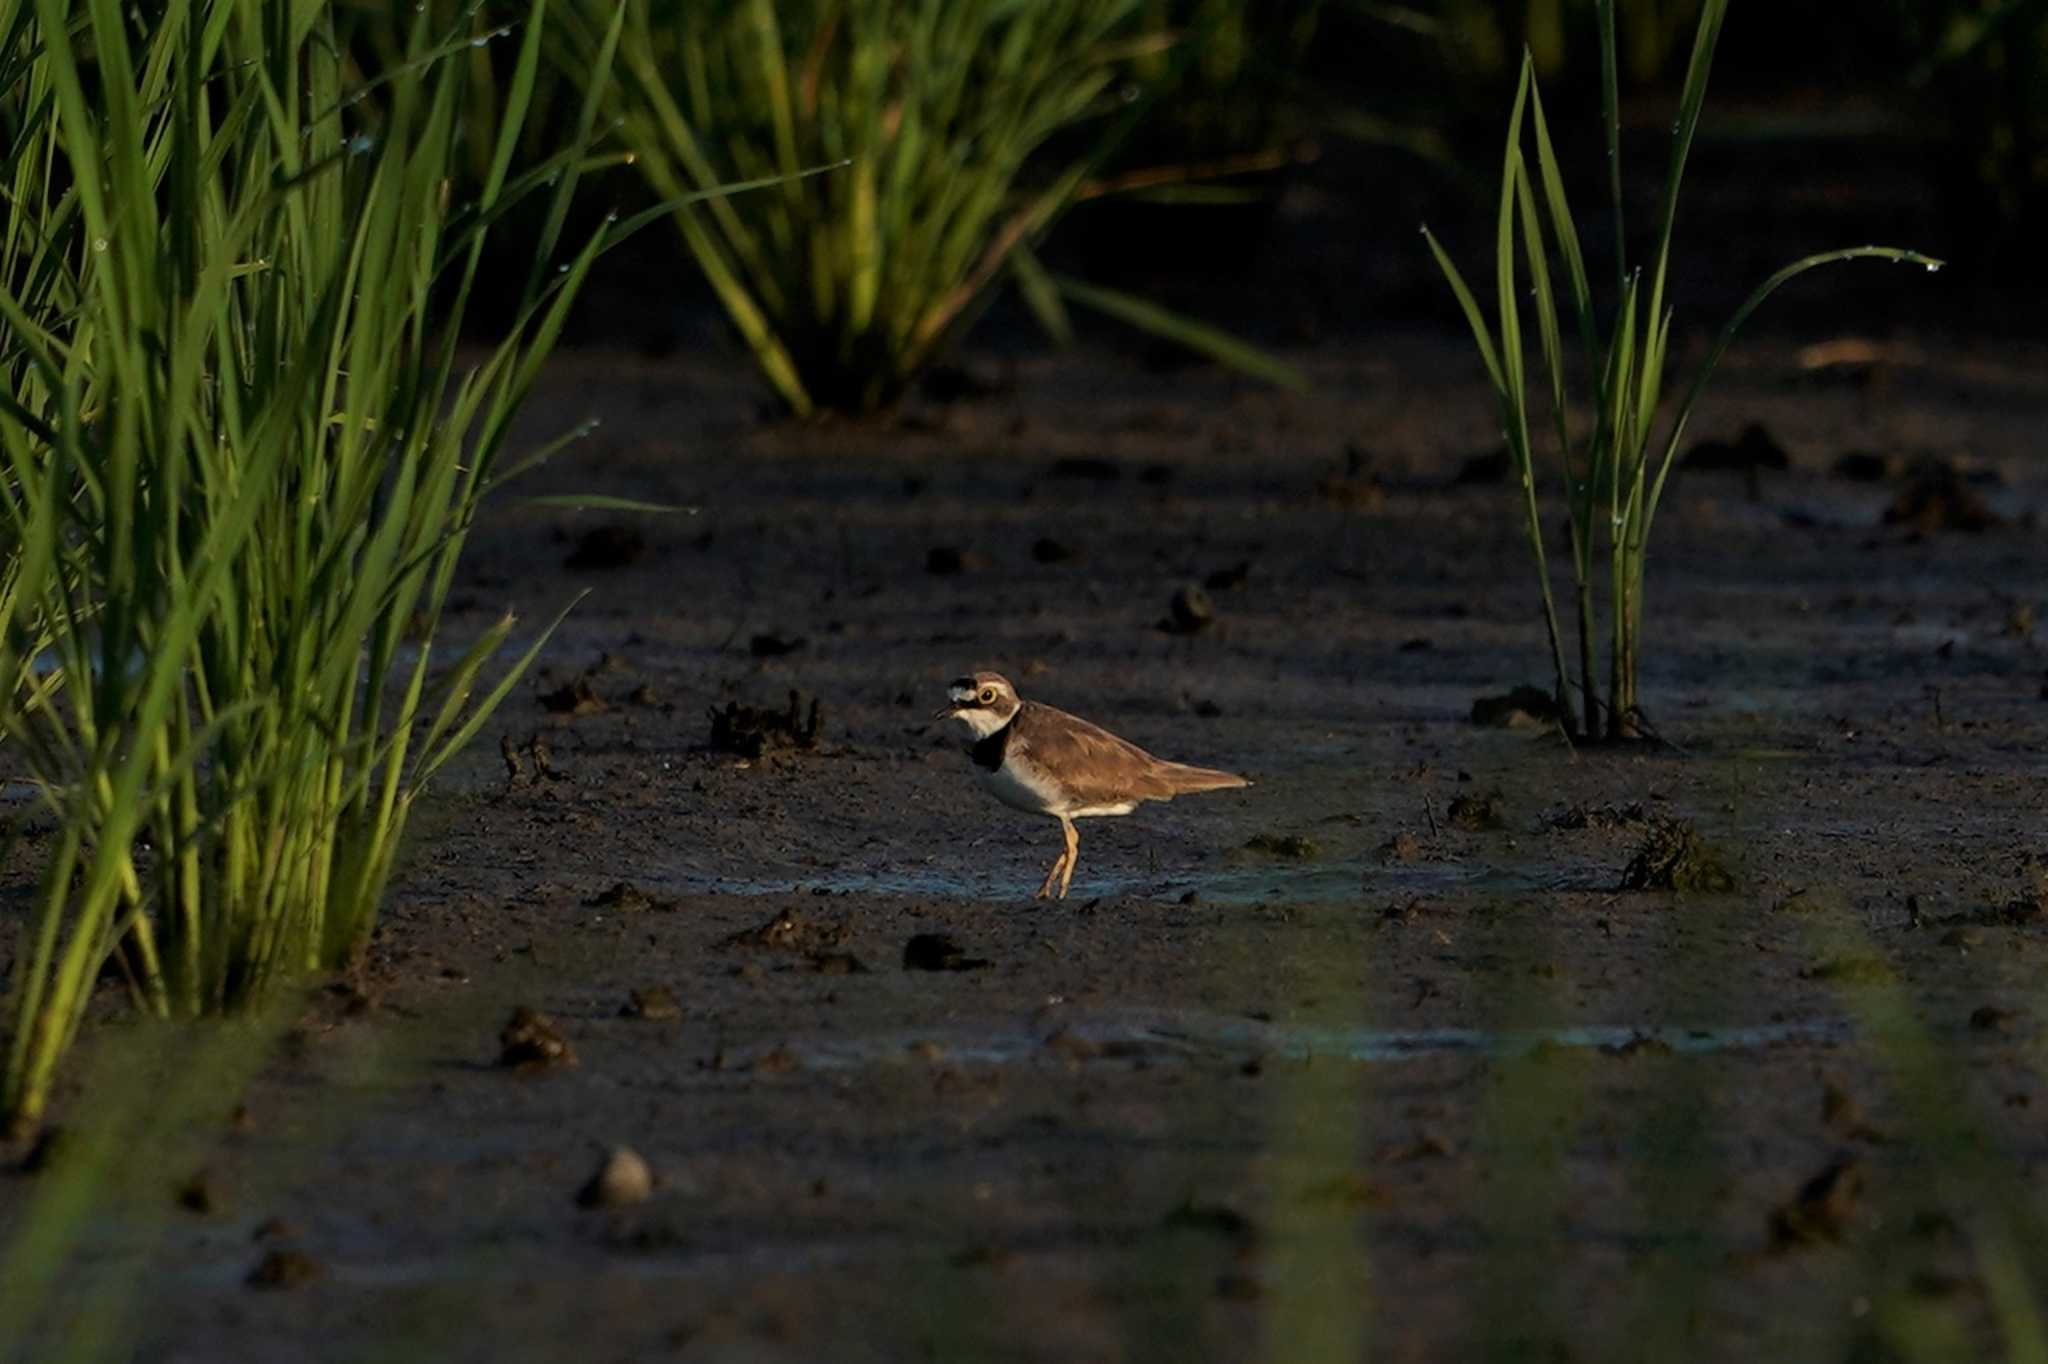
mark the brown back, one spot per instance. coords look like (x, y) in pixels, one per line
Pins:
(1098, 768)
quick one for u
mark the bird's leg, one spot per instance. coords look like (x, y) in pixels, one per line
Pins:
(1073, 855)
(1058, 863)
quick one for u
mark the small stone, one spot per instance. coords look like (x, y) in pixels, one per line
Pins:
(621, 1181)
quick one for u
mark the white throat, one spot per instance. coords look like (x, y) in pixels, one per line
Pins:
(981, 723)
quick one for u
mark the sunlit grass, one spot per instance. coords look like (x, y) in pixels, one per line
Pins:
(241, 461)
(963, 129)
(1612, 472)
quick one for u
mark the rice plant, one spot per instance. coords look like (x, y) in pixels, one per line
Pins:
(965, 128)
(1612, 469)
(241, 458)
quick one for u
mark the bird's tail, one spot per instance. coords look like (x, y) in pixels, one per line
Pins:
(1186, 780)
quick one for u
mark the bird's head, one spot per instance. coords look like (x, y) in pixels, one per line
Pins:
(984, 703)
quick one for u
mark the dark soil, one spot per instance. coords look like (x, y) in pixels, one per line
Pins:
(1438, 1090)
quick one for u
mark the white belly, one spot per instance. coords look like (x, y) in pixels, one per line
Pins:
(1022, 787)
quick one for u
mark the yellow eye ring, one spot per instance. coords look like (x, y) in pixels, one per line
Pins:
(988, 696)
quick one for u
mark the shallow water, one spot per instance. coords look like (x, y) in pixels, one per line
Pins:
(1189, 1037)
(1322, 883)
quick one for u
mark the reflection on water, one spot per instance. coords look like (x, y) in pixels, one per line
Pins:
(1170, 1036)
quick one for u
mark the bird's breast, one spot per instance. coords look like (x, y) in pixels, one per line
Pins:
(1021, 786)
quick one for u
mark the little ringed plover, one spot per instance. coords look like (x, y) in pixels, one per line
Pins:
(1043, 761)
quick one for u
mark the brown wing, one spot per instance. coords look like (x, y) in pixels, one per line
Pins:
(1098, 768)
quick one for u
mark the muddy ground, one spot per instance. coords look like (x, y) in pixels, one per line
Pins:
(1318, 1069)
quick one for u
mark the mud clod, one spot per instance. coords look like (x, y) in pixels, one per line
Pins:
(1937, 498)
(1863, 466)
(1823, 1208)
(577, 697)
(1359, 494)
(1046, 550)
(753, 732)
(1840, 1113)
(947, 561)
(530, 1041)
(1229, 579)
(626, 898)
(1085, 468)
(621, 1181)
(606, 547)
(1601, 817)
(937, 952)
(1476, 814)
(200, 1193)
(1213, 1219)
(651, 1004)
(1991, 1018)
(285, 1267)
(789, 931)
(1675, 857)
(1863, 969)
(1190, 612)
(1753, 451)
(1812, 900)
(1292, 847)
(1523, 708)
(1484, 469)
(1403, 847)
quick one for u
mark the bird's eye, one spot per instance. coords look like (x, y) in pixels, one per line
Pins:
(988, 696)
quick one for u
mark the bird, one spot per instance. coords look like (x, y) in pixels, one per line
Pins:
(1043, 761)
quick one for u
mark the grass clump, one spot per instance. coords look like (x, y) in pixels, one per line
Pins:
(961, 129)
(238, 464)
(1615, 464)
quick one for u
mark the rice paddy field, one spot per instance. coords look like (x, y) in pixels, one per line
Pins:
(699, 1008)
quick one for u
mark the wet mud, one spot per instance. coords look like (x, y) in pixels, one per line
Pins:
(711, 1017)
